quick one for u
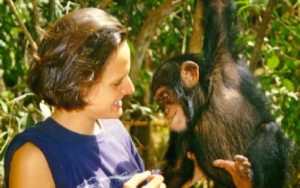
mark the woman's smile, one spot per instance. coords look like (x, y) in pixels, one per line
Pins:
(118, 104)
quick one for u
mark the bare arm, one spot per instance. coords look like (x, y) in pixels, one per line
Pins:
(29, 169)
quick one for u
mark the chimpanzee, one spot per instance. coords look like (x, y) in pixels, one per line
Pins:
(216, 110)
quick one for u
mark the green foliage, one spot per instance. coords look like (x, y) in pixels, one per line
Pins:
(278, 70)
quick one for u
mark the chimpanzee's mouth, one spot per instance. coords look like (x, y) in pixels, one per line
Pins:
(170, 113)
(170, 117)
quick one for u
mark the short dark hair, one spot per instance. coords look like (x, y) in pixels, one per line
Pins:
(72, 56)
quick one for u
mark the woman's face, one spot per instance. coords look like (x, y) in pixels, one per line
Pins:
(105, 98)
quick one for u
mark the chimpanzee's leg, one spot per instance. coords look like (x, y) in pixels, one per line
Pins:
(268, 155)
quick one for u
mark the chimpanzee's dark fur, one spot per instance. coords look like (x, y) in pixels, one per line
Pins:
(227, 113)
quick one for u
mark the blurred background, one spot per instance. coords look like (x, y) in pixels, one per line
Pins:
(268, 38)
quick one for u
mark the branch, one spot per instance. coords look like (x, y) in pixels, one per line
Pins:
(153, 20)
(36, 19)
(23, 27)
(261, 33)
(196, 43)
(51, 10)
(146, 123)
(104, 4)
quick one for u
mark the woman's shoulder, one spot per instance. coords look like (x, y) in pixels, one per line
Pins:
(26, 158)
(28, 152)
(28, 155)
(29, 141)
(32, 149)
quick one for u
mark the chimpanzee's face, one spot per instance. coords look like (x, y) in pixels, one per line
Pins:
(172, 108)
(166, 80)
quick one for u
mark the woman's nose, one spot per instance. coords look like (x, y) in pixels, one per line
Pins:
(129, 88)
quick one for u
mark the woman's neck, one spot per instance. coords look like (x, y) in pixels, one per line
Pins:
(77, 121)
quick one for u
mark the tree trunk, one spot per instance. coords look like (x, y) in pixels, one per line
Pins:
(261, 33)
(152, 21)
(196, 40)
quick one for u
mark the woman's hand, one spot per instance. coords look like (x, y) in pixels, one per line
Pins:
(154, 181)
(240, 170)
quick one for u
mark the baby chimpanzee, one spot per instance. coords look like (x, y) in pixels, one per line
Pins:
(217, 111)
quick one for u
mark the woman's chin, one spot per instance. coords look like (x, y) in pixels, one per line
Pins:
(118, 112)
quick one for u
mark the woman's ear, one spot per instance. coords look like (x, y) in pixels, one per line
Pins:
(189, 74)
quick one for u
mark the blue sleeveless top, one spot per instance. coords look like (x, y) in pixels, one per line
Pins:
(79, 161)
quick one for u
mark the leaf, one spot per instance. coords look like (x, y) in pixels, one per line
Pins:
(273, 62)
(46, 111)
(4, 106)
(243, 8)
(29, 121)
(297, 62)
(288, 84)
(3, 134)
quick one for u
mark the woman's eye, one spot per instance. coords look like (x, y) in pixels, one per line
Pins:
(118, 83)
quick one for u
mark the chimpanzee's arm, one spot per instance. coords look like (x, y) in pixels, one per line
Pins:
(219, 32)
(220, 55)
(178, 168)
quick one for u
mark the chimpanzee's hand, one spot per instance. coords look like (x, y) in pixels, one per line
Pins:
(240, 170)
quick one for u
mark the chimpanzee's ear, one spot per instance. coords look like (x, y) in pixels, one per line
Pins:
(189, 73)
